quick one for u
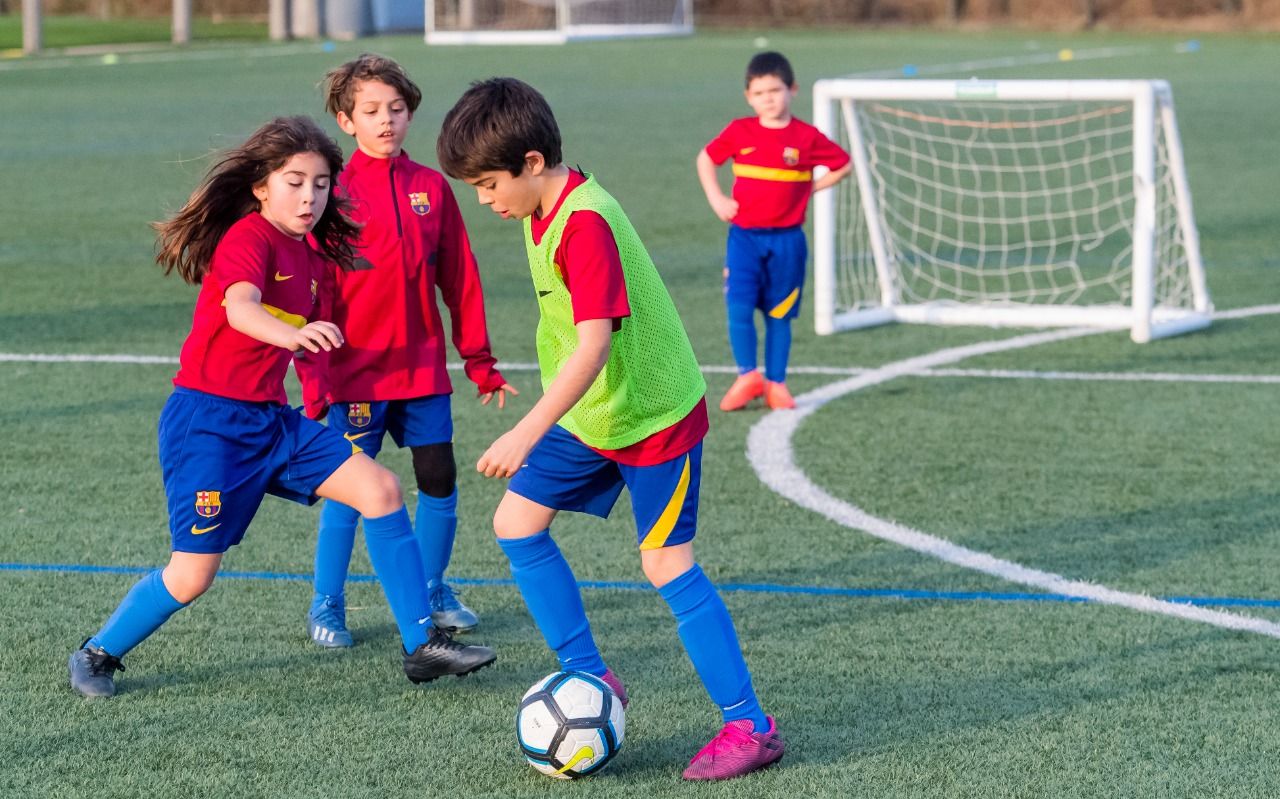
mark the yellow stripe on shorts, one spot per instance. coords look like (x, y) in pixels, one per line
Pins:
(657, 535)
(780, 310)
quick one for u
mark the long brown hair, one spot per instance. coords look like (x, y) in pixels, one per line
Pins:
(186, 241)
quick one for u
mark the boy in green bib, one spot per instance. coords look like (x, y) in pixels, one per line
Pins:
(623, 406)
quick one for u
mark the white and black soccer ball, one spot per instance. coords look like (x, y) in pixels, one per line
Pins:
(569, 724)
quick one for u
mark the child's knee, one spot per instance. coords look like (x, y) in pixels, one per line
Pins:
(435, 469)
(186, 585)
(382, 494)
(661, 566)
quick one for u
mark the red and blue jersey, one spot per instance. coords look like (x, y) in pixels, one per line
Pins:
(773, 169)
(591, 267)
(412, 242)
(293, 278)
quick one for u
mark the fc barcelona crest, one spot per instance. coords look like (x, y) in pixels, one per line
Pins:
(358, 414)
(420, 202)
(791, 155)
(208, 503)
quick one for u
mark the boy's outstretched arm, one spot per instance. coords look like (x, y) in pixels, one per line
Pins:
(832, 178)
(726, 208)
(506, 455)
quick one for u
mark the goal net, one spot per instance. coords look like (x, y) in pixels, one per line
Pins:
(553, 21)
(1018, 202)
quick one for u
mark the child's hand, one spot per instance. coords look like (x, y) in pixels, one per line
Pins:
(725, 207)
(501, 393)
(505, 456)
(318, 336)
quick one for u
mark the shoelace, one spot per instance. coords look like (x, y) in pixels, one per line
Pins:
(439, 639)
(100, 663)
(330, 610)
(443, 596)
(730, 736)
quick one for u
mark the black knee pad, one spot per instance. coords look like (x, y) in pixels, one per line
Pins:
(435, 469)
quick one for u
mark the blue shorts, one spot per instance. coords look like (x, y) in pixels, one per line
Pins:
(221, 456)
(411, 423)
(764, 268)
(565, 474)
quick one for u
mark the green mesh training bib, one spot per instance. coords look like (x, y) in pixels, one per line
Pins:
(651, 380)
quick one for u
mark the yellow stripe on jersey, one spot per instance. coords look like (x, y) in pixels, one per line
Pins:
(780, 310)
(286, 317)
(657, 535)
(294, 319)
(770, 173)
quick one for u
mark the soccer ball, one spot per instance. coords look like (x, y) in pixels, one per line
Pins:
(569, 725)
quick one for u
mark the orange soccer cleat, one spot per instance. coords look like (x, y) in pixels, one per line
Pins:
(777, 397)
(746, 388)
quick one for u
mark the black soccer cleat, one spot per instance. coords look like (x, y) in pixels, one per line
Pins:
(92, 670)
(441, 655)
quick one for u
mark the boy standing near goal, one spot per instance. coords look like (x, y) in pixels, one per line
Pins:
(623, 406)
(773, 159)
(391, 377)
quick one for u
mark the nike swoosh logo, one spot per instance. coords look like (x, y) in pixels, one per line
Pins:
(746, 151)
(582, 754)
(202, 530)
(354, 436)
(542, 293)
(281, 278)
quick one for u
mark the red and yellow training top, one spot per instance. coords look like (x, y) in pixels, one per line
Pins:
(773, 169)
(412, 244)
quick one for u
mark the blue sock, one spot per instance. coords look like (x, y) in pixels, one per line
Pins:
(334, 543)
(398, 564)
(147, 606)
(709, 638)
(435, 523)
(777, 348)
(552, 596)
(742, 336)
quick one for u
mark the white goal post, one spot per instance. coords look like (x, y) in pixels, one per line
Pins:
(1008, 202)
(553, 21)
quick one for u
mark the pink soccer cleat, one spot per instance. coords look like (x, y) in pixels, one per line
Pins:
(735, 751)
(746, 388)
(611, 680)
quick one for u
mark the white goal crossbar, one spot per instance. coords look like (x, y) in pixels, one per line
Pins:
(1009, 202)
(553, 21)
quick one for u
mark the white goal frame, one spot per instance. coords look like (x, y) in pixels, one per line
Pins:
(565, 29)
(836, 102)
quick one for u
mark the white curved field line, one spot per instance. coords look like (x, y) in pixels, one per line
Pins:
(770, 453)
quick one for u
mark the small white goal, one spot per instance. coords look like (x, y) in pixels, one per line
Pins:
(1009, 202)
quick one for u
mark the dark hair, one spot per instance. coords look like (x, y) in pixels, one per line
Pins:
(770, 63)
(340, 84)
(493, 125)
(186, 241)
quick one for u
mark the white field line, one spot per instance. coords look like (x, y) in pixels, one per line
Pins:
(769, 451)
(1002, 374)
(1003, 62)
